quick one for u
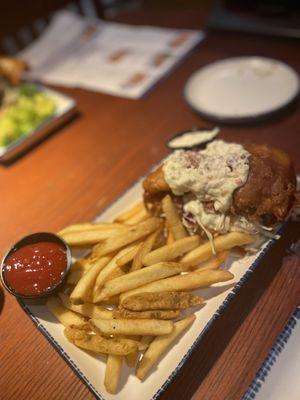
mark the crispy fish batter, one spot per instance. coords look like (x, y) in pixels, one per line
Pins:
(267, 197)
(99, 344)
(73, 334)
(148, 314)
(161, 301)
(269, 193)
(155, 189)
(155, 182)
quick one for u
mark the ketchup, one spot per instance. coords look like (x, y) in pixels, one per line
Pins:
(35, 268)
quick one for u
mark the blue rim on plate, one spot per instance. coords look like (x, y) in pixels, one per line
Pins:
(272, 357)
(172, 376)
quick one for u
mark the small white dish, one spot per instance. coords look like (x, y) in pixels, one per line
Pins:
(193, 138)
(242, 89)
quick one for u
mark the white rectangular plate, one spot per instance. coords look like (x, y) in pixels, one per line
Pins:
(91, 369)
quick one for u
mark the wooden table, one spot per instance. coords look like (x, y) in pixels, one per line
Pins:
(80, 169)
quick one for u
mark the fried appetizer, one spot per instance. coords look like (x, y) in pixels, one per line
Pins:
(12, 69)
(226, 187)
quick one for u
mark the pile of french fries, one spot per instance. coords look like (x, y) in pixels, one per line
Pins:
(128, 299)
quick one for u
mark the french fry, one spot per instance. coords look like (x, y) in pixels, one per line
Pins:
(126, 327)
(131, 359)
(129, 256)
(160, 239)
(87, 238)
(77, 271)
(172, 251)
(72, 333)
(138, 217)
(102, 345)
(146, 340)
(130, 213)
(170, 237)
(173, 219)
(83, 264)
(81, 291)
(159, 345)
(148, 314)
(105, 273)
(193, 280)
(166, 263)
(74, 276)
(87, 309)
(65, 316)
(85, 327)
(89, 227)
(213, 263)
(144, 250)
(161, 301)
(113, 373)
(132, 234)
(221, 243)
(138, 278)
(111, 301)
(116, 273)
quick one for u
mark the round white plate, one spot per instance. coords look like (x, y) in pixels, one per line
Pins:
(241, 89)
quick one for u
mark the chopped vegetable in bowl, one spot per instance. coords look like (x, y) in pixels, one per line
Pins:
(25, 109)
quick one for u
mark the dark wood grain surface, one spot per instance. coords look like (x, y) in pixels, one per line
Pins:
(80, 169)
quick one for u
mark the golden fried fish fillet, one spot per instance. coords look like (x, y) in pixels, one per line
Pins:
(267, 197)
(155, 182)
(155, 188)
(269, 193)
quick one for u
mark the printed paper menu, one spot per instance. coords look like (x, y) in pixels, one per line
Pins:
(118, 59)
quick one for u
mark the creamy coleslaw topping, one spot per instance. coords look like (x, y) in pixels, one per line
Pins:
(210, 177)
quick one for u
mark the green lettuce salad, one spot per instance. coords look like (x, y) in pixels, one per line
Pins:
(27, 107)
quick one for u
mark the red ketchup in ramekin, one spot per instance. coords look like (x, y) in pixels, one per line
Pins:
(34, 269)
